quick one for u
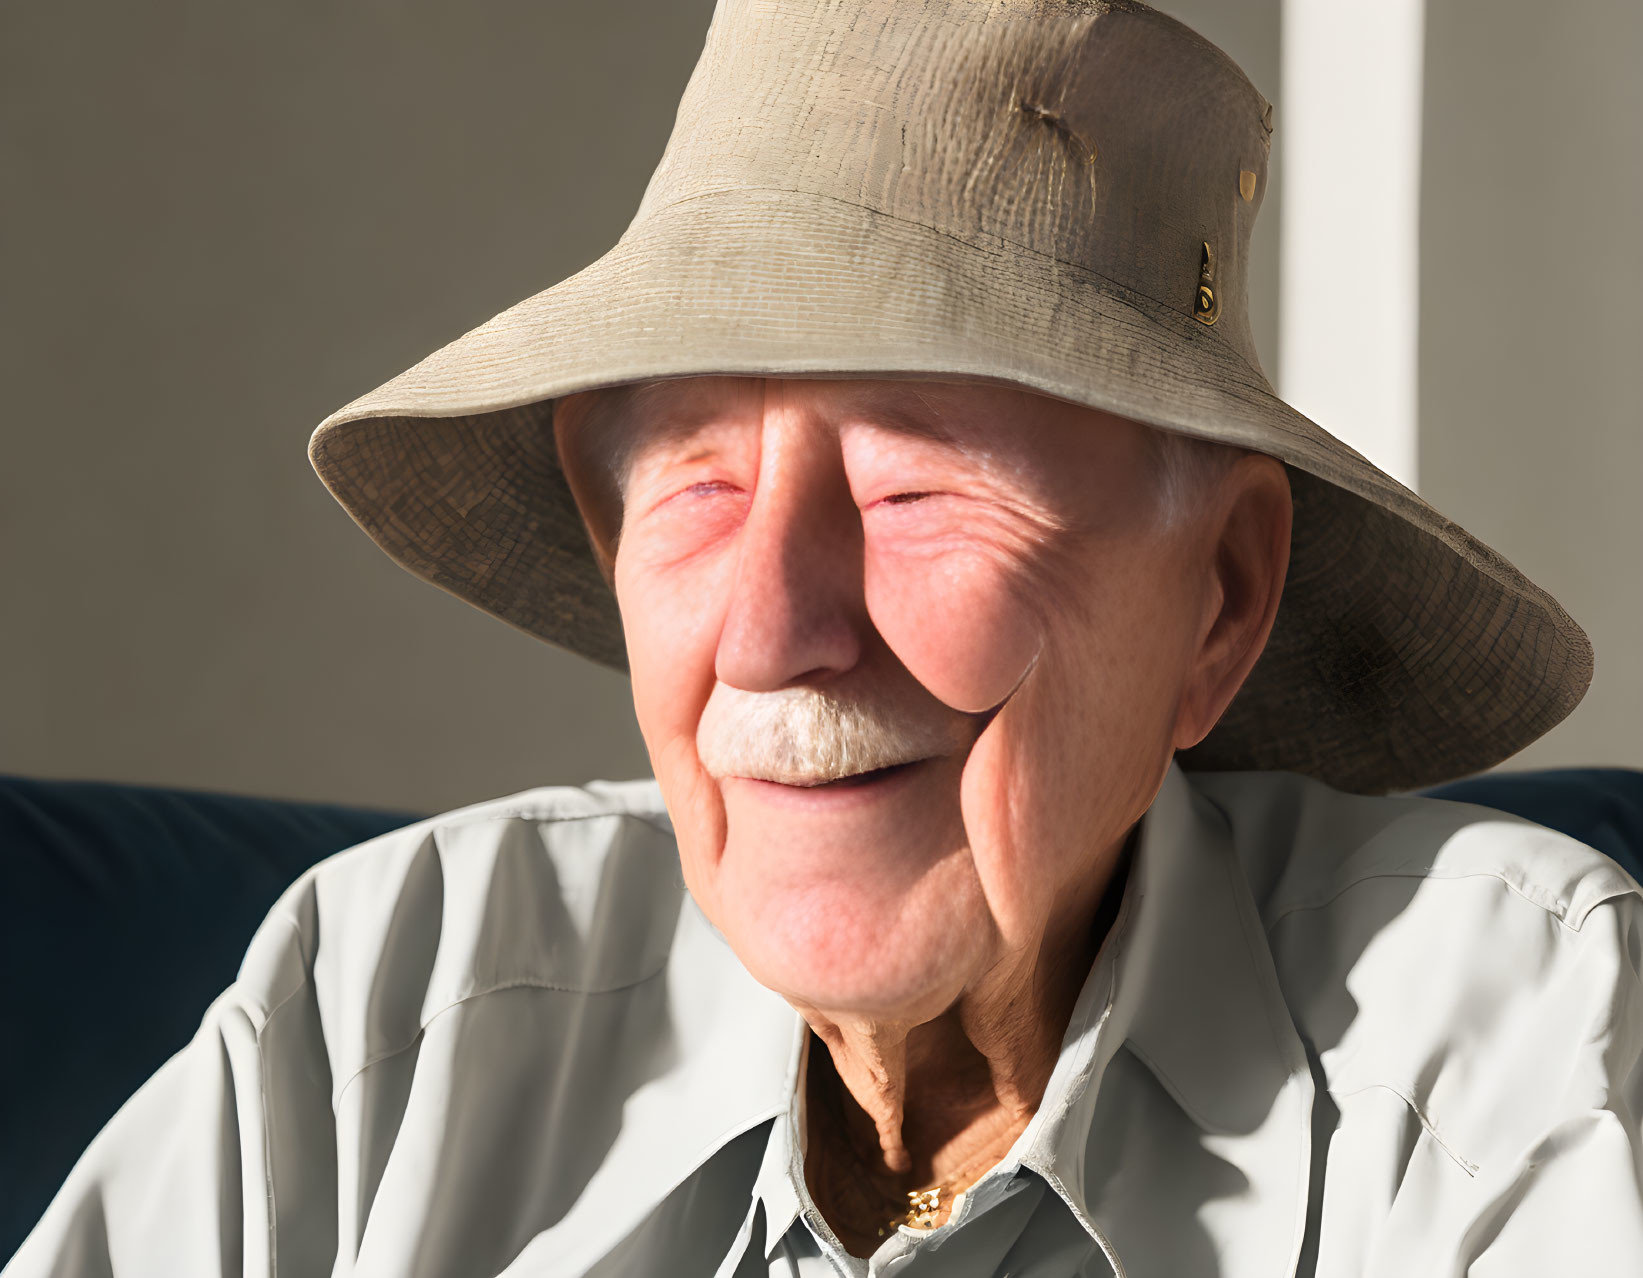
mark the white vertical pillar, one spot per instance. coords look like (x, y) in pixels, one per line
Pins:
(1349, 269)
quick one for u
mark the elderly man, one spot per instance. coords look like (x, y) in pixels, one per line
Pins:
(1017, 672)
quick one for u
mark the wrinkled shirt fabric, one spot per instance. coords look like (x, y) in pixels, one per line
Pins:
(1326, 1034)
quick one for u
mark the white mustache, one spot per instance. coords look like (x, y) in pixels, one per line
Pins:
(810, 736)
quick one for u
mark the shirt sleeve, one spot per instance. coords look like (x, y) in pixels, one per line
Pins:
(1573, 1202)
(224, 1161)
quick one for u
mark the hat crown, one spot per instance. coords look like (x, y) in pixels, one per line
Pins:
(1105, 136)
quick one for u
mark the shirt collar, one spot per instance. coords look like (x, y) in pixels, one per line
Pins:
(778, 1188)
(1177, 1120)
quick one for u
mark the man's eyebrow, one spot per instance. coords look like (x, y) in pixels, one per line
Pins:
(939, 417)
(929, 419)
(631, 418)
(676, 435)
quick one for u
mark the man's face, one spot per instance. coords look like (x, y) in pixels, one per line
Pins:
(969, 590)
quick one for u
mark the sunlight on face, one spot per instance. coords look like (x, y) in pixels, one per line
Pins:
(939, 636)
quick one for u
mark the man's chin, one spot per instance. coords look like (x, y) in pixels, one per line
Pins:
(870, 943)
(861, 848)
(906, 988)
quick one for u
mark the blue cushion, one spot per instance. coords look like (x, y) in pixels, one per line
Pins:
(1602, 807)
(124, 911)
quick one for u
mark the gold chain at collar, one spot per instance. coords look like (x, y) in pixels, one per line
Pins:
(923, 1206)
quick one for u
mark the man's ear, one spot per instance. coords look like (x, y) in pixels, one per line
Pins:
(1247, 537)
(593, 477)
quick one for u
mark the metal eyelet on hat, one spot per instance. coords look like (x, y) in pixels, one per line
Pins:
(1206, 309)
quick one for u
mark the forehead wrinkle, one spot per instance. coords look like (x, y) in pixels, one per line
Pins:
(879, 399)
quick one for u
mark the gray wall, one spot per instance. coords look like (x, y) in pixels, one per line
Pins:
(1531, 379)
(222, 221)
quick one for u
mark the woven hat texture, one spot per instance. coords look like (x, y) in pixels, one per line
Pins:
(1054, 194)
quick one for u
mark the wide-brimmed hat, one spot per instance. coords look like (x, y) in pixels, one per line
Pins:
(1054, 194)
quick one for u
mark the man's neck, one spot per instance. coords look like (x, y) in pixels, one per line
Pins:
(951, 1134)
(893, 1111)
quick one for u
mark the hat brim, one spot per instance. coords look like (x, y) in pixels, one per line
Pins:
(1405, 651)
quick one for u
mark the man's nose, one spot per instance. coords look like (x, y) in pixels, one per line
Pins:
(797, 612)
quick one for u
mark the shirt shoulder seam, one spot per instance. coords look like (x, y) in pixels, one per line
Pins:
(1560, 913)
(544, 812)
(1425, 1119)
(376, 1058)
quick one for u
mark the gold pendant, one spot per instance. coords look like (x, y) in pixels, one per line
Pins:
(923, 1207)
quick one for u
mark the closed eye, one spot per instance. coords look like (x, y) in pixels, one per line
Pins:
(710, 493)
(709, 488)
(904, 499)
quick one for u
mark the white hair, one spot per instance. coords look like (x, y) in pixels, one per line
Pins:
(1186, 469)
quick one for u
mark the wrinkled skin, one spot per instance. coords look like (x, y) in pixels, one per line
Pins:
(999, 555)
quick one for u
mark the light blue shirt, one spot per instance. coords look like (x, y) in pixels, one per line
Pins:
(1325, 1034)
